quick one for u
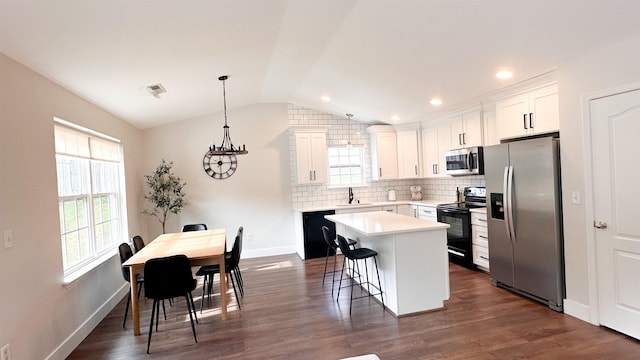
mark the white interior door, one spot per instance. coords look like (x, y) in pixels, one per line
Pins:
(615, 129)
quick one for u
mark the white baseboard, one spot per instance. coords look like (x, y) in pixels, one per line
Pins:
(578, 310)
(69, 344)
(247, 254)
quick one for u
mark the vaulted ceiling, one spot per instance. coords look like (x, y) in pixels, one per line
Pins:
(373, 58)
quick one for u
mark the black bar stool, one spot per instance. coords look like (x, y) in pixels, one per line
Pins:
(354, 255)
(330, 239)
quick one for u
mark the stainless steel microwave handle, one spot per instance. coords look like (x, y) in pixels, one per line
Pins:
(469, 164)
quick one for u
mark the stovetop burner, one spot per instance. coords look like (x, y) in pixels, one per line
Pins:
(475, 197)
(462, 205)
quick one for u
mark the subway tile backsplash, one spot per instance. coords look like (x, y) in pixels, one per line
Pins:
(320, 195)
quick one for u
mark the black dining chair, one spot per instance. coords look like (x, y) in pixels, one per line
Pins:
(231, 262)
(194, 227)
(354, 255)
(138, 243)
(332, 247)
(237, 269)
(167, 278)
(125, 253)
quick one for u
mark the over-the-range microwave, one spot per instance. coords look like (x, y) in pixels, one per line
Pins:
(469, 161)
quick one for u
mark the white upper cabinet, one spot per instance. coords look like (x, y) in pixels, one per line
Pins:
(384, 152)
(311, 156)
(408, 164)
(490, 128)
(532, 113)
(436, 140)
(466, 130)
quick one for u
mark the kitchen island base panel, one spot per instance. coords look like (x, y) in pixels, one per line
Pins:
(414, 269)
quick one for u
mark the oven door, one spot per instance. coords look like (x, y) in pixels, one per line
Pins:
(458, 235)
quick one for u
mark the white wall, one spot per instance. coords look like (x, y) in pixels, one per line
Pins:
(38, 315)
(605, 68)
(257, 196)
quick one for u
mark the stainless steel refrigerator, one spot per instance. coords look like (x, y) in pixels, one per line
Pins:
(525, 219)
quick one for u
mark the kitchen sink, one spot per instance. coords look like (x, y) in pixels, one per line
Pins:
(354, 204)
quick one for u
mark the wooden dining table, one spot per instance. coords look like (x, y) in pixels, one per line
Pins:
(204, 247)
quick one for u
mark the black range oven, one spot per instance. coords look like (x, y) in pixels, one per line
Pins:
(458, 216)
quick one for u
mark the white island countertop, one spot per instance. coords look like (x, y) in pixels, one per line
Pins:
(383, 223)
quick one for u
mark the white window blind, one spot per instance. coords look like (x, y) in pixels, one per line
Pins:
(90, 175)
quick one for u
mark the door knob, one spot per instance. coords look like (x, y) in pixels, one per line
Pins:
(600, 225)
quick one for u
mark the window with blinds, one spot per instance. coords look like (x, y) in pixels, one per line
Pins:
(89, 169)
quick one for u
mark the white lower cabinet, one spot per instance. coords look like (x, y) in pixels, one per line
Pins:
(390, 208)
(404, 209)
(424, 212)
(480, 238)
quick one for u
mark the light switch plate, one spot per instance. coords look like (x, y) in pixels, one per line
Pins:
(8, 239)
(575, 197)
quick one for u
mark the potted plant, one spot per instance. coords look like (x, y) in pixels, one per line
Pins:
(165, 193)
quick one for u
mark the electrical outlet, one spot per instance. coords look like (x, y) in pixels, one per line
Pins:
(249, 237)
(5, 353)
(8, 239)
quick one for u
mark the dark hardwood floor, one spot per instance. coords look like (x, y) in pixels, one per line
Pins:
(288, 314)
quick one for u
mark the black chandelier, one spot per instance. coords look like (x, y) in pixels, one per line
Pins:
(227, 147)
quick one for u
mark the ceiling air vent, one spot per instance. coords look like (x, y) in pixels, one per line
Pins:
(155, 90)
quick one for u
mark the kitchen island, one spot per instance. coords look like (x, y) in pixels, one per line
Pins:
(412, 257)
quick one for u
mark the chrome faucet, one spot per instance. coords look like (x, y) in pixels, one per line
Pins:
(350, 195)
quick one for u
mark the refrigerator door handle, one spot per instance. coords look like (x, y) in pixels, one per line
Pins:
(512, 230)
(505, 189)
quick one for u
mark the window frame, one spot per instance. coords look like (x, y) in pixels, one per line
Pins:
(361, 165)
(114, 191)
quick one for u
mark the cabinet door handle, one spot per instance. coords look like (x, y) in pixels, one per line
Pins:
(484, 237)
(531, 120)
(524, 121)
(459, 139)
(314, 175)
(416, 167)
(310, 175)
(464, 138)
(484, 258)
(380, 172)
(480, 219)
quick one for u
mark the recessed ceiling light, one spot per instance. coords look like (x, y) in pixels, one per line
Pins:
(395, 117)
(504, 74)
(436, 101)
(325, 98)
